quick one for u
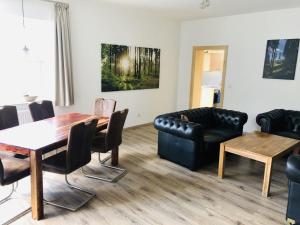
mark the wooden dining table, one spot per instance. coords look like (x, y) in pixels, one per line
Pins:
(37, 138)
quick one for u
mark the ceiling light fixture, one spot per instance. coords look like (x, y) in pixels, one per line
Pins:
(25, 49)
(204, 4)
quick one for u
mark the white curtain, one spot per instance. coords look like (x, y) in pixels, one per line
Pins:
(64, 95)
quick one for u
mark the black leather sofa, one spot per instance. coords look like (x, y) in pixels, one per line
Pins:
(196, 142)
(293, 173)
(280, 122)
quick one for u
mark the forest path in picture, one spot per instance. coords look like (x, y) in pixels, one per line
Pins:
(281, 59)
(129, 68)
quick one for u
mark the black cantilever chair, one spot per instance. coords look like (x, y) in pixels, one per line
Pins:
(110, 140)
(8, 119)
(41, 111)
(11, 171)
(77, 155)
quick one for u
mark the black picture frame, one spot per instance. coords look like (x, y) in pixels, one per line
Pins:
(281, 59)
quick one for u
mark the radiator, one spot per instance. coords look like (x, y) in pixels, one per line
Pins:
(24, 114)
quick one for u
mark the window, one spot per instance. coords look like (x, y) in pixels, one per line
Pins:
(26, 73)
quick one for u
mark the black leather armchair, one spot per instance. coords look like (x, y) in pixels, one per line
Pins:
(293, 173)
(196, 142)
(280, 122)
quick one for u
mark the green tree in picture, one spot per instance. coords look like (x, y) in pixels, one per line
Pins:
(129, 68)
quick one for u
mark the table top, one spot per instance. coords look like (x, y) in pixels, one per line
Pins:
(259, 144)
(41, 134)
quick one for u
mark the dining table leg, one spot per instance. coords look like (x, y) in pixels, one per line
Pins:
(37, 206)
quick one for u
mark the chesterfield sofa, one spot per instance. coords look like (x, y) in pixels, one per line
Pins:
(191, 138)
(280, 122)
(293, 173)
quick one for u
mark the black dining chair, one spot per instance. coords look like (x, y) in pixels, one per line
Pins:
(104, 107)
(109, 141)
(75, 156)
(11, 171)
(8, 119)
(41, 111)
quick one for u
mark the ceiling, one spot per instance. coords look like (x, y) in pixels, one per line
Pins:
(190, 9)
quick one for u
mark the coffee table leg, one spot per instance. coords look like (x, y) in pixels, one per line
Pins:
(297, 150)
(222, 158)
(267, 178)
(37, 206)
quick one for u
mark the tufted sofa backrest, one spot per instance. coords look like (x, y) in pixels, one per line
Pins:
(229, 118)
(202, 116)
(213, 117)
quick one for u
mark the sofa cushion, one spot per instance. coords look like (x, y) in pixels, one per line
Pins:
(288, 134)
(219, 135)
(294, 124)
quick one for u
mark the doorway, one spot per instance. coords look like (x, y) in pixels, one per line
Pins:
(208, 76)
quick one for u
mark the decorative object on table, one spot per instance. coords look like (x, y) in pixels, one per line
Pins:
(281, 59)
(29, 98)
(129, 68)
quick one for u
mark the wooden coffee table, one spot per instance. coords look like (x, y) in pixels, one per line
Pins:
(261, 147)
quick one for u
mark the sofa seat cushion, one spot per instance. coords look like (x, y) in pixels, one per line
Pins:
(288, 134)
(219, 135)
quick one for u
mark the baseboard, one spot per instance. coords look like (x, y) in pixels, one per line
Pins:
(137, 126)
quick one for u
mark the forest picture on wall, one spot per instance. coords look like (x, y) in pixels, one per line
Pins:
(281, 59)
(129, 68)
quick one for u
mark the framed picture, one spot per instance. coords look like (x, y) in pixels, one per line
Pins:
(129, 68)
(281, 59)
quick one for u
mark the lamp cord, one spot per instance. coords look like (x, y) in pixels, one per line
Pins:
(23, 13)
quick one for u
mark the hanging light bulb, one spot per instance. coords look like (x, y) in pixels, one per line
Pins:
(25, 48)
(204, 4)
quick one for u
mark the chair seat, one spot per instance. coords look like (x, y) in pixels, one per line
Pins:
(219, 135)
(56, 163)
(6, 154)
(14, 169)
(98, 144)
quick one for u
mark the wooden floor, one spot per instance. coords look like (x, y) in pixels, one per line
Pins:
(156, 191)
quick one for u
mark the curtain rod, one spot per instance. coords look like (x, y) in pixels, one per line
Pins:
(52, 1)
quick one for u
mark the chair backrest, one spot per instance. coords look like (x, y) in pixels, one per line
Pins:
(40, 111)
(104, 107)
(8, 117)
(79, 144)
(115, 128)
(1, 172)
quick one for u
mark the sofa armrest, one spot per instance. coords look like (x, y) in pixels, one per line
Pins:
(293, 168)
(179, 128)
(270, 121)
(231, 119)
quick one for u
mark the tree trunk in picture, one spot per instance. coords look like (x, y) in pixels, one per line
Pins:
(149, 61)
(110, 59)
(139, 73)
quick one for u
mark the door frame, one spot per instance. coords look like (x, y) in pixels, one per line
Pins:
(193, 77)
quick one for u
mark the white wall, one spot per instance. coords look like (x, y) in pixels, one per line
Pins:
(93, 23)
(247, 36)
